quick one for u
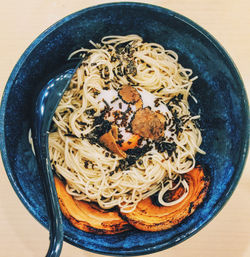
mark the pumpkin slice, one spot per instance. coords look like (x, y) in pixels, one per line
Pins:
(149, 217)
(89, 217)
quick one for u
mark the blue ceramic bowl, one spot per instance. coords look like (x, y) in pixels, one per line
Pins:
(222, 104)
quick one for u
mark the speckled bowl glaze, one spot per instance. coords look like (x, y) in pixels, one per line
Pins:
(222, 103)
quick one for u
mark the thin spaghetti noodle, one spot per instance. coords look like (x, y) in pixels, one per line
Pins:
(93, 173)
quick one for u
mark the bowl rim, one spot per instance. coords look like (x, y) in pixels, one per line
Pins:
(155, 8)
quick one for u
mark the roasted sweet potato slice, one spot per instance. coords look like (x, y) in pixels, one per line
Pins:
(89, 217)
(149, 217)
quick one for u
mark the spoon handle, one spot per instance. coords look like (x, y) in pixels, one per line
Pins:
(55, 219)
(45, 107)
(53, 208)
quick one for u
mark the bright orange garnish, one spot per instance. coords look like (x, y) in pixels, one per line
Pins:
(131, 143)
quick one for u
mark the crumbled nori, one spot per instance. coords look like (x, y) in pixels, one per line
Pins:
(86, 164)
(70, 135)
(82, 123)
(178, 123)
(159, 90)
(102, 127)
(119, 142)
(113, 58)
(117, 98)
(134, 154)
(90, 112)
(165, 146)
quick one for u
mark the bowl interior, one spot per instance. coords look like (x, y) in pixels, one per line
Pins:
(222, 104)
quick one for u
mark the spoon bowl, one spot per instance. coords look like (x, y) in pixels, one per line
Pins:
(44, 109)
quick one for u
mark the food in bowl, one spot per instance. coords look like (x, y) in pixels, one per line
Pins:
(222, 104)
(123, 140)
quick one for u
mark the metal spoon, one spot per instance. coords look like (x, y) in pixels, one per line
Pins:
(44, 109)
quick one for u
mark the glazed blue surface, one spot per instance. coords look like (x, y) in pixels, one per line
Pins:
(222, 104)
